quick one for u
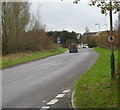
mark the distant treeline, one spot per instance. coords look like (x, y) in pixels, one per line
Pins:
(65, 36)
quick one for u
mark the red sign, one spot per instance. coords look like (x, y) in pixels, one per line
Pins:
(111, 38)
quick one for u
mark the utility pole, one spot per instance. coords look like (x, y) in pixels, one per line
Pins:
(119, 26)
(99, 34)
(119, 42)
(112, 58)
(99, 26)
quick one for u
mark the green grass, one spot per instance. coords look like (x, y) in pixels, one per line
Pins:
(95, 89)
(29, 58)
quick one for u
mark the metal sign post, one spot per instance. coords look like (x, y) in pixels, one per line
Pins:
(58, 42)
(111, 39)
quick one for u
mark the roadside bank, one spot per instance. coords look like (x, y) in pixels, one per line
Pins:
(95, 89)
(20, 58)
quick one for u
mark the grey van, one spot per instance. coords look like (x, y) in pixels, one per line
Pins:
(73, 48)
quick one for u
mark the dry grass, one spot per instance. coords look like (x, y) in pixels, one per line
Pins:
(15, 56)
(19, 58)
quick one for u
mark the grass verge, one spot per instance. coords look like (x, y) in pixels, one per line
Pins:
(95, 89)
(9, 62)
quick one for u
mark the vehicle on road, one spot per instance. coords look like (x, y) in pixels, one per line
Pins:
(78, 46)
(85, 46)
(73, 48)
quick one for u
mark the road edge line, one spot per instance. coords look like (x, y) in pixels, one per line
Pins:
(72, 99)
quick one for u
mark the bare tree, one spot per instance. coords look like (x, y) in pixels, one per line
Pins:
(0, 19)
(4, 29)
(119, 23)
(22, 31)
(15, 18)
(0, 28)
(35, 22)
(104, 5)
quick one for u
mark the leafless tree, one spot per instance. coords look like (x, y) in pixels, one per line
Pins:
(15, 18)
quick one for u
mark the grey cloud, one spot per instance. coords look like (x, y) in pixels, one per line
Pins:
(59, 16)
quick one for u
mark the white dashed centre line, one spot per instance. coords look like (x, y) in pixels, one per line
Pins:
(45, 108)
(55, 100)
(52, 102)
(60, 96)
(65, 91)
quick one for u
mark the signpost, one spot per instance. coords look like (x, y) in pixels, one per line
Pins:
(58, 42)
(111, 39)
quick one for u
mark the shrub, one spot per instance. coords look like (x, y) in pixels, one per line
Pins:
(35, 40)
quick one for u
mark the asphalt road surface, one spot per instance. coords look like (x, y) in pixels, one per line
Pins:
(34, 84)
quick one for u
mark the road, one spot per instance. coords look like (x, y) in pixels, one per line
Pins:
(34, 84)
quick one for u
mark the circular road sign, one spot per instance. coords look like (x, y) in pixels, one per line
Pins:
(111, 38)
(58, 41)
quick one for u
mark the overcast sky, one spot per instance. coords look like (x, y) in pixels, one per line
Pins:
(57, 15)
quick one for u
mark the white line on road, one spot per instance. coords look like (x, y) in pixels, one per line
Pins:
(65, 91)
(44, 108)
(60, 95)
(55, 100)
(52, 102)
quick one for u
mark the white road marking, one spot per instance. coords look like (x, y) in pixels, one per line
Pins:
(65, 91)
(43, 101)
(60, 95)
(55, 100)
(52, 102)
(45, 107)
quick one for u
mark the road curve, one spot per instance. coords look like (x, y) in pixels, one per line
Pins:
(32, 84)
